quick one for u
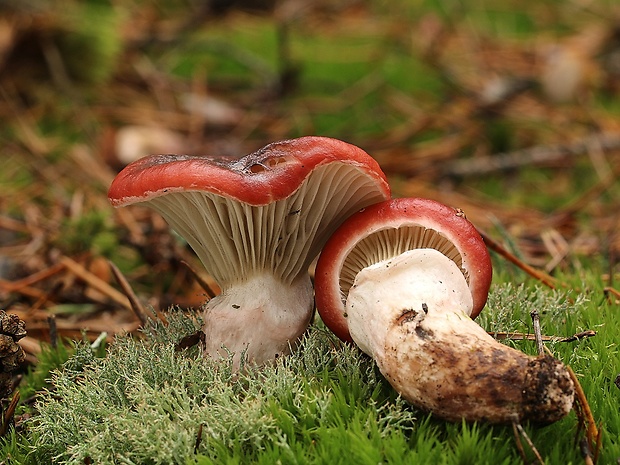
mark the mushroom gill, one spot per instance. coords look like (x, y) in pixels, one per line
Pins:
(388, 243)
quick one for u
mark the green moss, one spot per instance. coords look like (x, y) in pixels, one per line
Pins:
(90, 43)
(50, 358)
(90, 232)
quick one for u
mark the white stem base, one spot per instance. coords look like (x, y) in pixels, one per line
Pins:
(258, 320)
(382, 293)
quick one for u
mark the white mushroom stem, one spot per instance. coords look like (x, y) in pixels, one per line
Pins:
(411, 314)
(400, 284)
(258, 319)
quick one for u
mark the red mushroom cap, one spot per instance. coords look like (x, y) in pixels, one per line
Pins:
(269, 174)
(272, 209)
(421, 223)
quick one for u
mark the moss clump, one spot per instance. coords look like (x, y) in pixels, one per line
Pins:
(147, 402)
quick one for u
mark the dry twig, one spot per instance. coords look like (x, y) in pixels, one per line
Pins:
(16, 286)
(519, 433)
(136, 306)
(536, 273)
(501, 335)
(537, 332)
(199, 280)
(95, 282)
(531, 156)
(8, 414)
(586, 421)
(51, 320)
(609, 291)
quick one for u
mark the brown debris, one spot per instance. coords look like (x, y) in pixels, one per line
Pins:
(8, 414)
(12, 329)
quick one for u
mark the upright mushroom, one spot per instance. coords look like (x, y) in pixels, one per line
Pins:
(403, 280)
(256, 223)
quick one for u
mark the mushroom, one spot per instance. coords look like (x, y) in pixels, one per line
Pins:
(256, 223)
(403, 279)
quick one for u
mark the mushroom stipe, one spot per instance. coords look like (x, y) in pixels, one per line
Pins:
(462, 372)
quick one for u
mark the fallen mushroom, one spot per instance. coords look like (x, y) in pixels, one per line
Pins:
(256, 223)
(403, 280)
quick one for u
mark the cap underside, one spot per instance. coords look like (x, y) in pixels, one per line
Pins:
(235, 240)
(390, 242)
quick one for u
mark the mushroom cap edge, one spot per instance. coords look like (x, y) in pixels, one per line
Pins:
(396, 213)
(258, 178)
